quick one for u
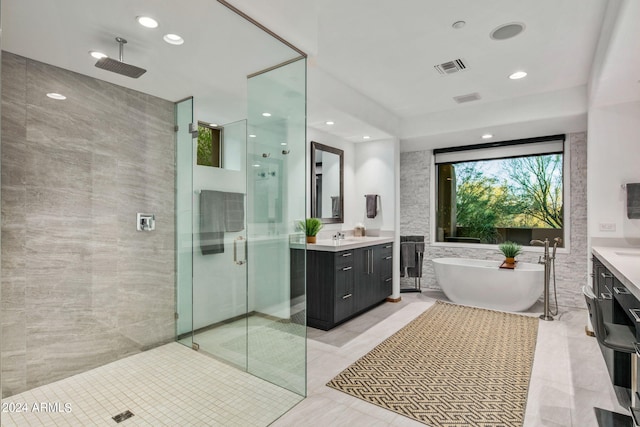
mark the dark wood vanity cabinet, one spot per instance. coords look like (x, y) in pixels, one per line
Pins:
(342, 284)
(615, 300)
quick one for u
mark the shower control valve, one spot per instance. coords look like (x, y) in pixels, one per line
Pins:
(146, 222)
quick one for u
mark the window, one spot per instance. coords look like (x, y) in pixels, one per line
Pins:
(508, 191)
(209, 145)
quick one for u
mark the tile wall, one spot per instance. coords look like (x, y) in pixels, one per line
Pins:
(80, 286)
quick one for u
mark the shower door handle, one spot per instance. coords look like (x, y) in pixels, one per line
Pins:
(235, 250)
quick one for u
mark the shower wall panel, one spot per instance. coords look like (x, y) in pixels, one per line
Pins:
(80, 286)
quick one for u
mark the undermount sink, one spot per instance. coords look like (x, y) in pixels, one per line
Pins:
(631, 254)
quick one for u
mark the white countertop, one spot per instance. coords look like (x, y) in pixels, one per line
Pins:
(624, 263)
(351, 242)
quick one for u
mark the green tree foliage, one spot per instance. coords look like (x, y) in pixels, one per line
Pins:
(519, 192)
(483, 203)
(205, 146)
(537, 181)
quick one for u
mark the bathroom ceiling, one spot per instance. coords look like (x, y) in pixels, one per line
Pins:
(386, 51)
(370, 66)
(219, 52)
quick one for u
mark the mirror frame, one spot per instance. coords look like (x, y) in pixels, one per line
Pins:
(318, 146)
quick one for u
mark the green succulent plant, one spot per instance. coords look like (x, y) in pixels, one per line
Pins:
(310, 226)
(510, 249)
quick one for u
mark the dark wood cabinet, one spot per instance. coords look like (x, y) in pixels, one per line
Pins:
(341, 285)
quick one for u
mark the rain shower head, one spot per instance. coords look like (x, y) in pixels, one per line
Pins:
(120, 66)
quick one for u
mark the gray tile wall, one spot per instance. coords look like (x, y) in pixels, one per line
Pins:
(80, 286)
(571, 268)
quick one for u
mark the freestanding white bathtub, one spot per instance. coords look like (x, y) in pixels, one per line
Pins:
(482, 283)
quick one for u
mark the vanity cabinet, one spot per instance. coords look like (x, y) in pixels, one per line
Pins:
(614, 300)
(341, 285)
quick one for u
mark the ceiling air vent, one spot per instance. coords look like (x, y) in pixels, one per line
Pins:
(451, 67)
(467, 98)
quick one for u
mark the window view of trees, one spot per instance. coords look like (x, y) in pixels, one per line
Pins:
(492, 201)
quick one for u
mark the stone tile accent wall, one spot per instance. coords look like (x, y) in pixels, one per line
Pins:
(571, 268)
(80, 286)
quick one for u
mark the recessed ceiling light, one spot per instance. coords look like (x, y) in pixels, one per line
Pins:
(146, 21)
(283, 143)
(517, 75)
(97, 55)
(487, 136)
(215, 125)
(57, 96)
(256, 166)
(366, 137)
(458, 24)
(251, 135)
(266, 114)
(173, 39)
(507, 31)
(330, 123)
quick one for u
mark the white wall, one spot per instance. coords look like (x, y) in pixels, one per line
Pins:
(375, 174)
(613, 159)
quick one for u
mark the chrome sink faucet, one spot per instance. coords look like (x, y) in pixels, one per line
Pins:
(338, 236)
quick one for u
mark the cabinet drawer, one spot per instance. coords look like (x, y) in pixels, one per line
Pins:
(344, 258)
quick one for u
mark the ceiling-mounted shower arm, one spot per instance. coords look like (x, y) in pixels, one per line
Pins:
(121, 43)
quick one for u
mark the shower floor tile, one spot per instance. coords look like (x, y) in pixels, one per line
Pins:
(167, 386)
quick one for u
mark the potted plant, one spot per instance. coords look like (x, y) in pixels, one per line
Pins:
(510, 250)
(311, 227)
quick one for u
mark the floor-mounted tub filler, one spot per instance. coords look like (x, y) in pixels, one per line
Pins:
(481, 283)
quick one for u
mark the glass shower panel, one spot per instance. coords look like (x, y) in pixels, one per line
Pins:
(184, 221)
(276, 171)
(219, 253)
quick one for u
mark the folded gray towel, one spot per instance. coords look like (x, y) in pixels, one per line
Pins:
(633, 201)
(234, 211)
(407, 254)
(335, 206)
(372, 205)
(212, 224)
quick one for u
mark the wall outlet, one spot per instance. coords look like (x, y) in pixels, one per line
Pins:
(607, 226)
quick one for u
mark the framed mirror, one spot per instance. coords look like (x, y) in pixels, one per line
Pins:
(327, 183)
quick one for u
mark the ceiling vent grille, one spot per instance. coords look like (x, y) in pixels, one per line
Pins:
(451, 67)
(467, 98)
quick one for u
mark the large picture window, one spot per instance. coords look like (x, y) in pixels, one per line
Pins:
(492, 193)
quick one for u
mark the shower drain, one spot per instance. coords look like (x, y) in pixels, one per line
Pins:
(123, 416)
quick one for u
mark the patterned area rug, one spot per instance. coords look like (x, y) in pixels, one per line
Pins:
(451, 366)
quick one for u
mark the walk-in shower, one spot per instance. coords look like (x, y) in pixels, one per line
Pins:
(114, 317)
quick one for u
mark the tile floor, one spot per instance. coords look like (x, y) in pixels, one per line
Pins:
(569, 375)
(171, 385)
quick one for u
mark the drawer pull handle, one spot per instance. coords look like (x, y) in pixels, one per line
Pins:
(350, 295)
(388, 257)
(389, 279)
(347, 268)
(347, 254)
(606, 275)
(634, 312)
(620, 291)
(606, 295)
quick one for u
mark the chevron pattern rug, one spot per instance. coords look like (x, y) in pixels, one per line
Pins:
(451, 366)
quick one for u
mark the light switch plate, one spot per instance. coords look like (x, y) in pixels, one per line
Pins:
(607, 226)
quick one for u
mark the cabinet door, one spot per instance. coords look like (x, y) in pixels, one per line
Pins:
(364, 280)
(344, 293)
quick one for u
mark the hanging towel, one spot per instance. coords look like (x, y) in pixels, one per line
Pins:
(372, 205)
(335, 206)
(212, 222)
(407, 256)
(234, 211)
(633, 201)
(419, 255)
